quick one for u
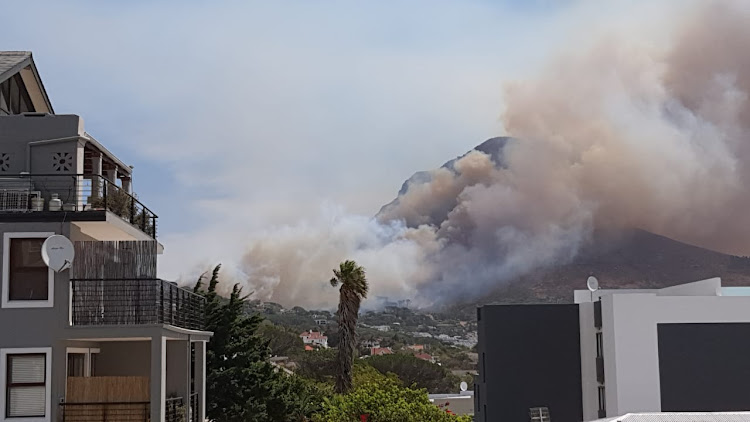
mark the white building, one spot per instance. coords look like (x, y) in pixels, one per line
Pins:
(683, 348)
(670, 349)
(315, 338)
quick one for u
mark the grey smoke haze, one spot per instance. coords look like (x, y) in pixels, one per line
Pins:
(619, 133)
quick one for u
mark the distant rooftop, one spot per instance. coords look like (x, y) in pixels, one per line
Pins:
(681, 417)
(708, 287)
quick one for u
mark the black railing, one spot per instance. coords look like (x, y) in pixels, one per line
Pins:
(174, 410)
(135, 302)
(109, 412)
(78, 192)
(194, 407)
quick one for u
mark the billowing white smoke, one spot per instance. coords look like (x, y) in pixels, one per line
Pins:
(619, 135)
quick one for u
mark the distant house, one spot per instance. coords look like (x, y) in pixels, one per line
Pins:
(377, 351)
(416, 347)
(321, 322)
(371, 343)
(309, 348)
(424, 356)
(314, 338)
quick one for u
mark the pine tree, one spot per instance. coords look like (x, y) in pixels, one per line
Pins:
(241, 384)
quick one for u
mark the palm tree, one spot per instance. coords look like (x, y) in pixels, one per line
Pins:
(353, 290)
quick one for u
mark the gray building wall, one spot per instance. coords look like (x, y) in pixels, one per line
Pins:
(17, 131)
(529, 356)
(125, 358)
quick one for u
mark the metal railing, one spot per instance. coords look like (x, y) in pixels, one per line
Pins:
(194, 407)
(174, 410)
(135, 302)
(109, 412)
(78, 192)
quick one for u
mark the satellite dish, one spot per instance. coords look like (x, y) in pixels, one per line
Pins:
(593, 284)
(464, 386)
(58, 253)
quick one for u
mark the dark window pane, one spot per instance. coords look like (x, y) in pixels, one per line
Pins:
(94, 357)
(76, 364)
(28, 276)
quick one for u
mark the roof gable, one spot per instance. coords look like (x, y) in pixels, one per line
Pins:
(22, 62)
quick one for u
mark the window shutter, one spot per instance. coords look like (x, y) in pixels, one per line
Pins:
(26, 369)
(26, 397)
(26, 401)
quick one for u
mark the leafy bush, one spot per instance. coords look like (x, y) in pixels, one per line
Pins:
(384, 399)
(416, 372)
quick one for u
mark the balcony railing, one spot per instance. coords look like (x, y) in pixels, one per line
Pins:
(135, 302)
(194, 407)
(110, 412)
(78, 192)
(174, 410)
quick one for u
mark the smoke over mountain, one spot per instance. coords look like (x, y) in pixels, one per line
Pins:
(621, 134)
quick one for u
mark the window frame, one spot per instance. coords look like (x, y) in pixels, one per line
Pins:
(47, 352)
(6, 302)
(87, 352)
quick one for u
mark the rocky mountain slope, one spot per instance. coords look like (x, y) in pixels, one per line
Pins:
(619, 258)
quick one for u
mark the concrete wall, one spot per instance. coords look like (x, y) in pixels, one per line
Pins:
(631, 342)
(704, 367)
(529, 357)
(178, 368)
(17, 131)
(125, 358)
(589, 384)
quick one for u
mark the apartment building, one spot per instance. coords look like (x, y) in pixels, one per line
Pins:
(105, 340)
(616, 352)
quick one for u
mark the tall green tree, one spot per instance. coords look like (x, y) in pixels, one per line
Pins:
(353, 289)
(241, 384)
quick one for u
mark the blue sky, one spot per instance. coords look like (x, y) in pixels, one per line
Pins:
(241, 116)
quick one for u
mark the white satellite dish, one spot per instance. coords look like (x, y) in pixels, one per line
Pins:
(58, 252)
(592, 283)
(464, 386)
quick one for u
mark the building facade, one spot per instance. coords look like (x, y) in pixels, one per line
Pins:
(677, 349)
(105, 339)
(315, 339)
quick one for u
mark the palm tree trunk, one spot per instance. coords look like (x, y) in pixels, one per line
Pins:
(348, 310)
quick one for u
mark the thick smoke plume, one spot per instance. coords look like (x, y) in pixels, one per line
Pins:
(620, 134)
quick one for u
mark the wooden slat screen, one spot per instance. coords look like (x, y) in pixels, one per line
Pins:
(119, 259)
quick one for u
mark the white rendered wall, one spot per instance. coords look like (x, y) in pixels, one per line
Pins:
(589, 384)
(629, 324)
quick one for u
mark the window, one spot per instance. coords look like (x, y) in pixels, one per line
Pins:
(76, 364)
(602, 399)
(25, 375)
(27, 282)
(599, 345)
(82, 362)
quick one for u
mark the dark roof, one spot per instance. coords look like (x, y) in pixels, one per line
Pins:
(13, 61)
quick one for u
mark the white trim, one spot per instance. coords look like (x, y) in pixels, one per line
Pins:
(6, 303)
(47, 382)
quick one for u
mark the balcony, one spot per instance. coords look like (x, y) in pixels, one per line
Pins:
(26, 197)
(118, 302)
